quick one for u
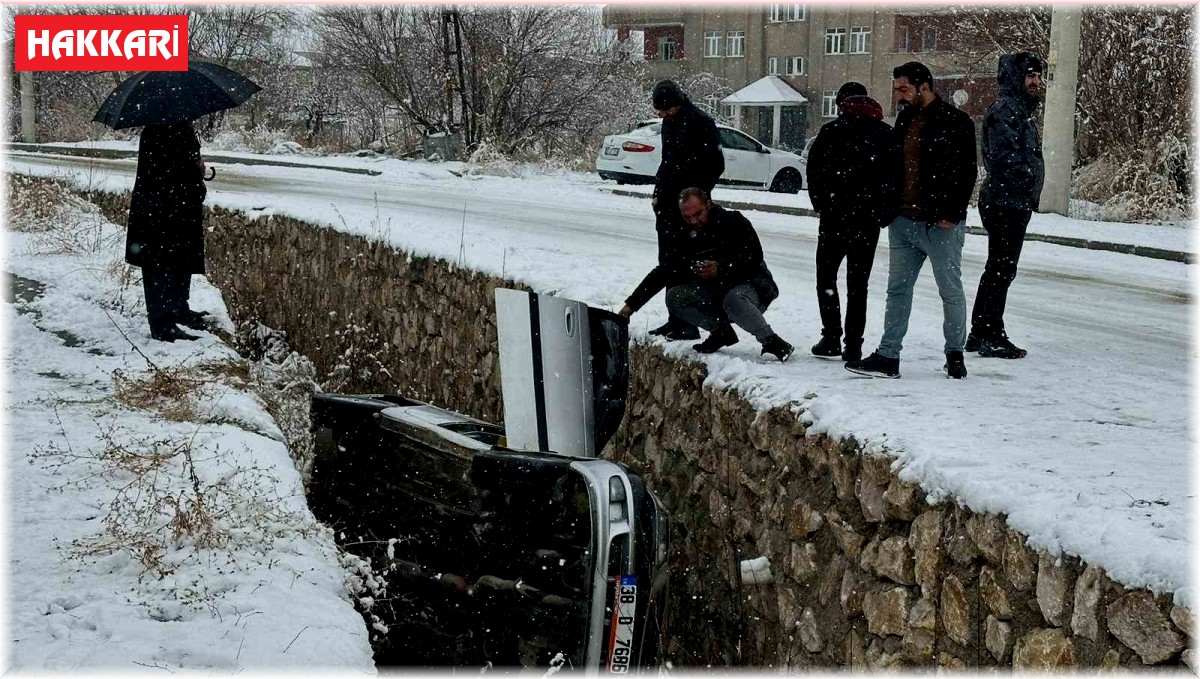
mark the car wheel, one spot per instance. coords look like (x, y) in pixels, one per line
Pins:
(787, 181)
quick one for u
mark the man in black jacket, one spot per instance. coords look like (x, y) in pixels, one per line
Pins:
(936, 176)
(851, 185)
(1012, 154)
(691, 156)
(715, 276)
(165, 227)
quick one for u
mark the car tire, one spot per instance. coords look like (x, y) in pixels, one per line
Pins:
(787, 181)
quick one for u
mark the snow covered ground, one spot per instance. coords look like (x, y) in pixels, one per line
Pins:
(1085, 444)
(119, 558)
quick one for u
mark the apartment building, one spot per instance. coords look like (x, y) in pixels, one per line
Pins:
(814, 48)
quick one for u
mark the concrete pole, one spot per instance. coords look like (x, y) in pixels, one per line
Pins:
(1058, 139)
(778, 113)
(737, 116)
(28, 109)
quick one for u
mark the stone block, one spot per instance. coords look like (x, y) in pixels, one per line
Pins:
(1044, 650)
(845, 470)
(997, 636)
(1136, 621)
(1055, 584)
(854, 652)
(1089, 586)
(1182, 617)
(810, 632)
(803, 561)
(887, 611)
(1018, 562)
(989, 534)
(956, 617)
(851, 594)
(925, 541)
(804, 521)
(923, 615)
(870, 486)
(894, 561)
(993, 590)
(847, 538)
(831, 579)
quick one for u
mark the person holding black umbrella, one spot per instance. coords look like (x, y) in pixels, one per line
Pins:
(165, 229)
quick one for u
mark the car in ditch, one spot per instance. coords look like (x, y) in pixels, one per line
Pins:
(504, 544)
(633, 158)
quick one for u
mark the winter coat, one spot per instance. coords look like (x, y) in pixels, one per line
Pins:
(727, 239)
(691, 154)
(167, 207)
(946, 163)
(1012, 151)
(850, 181)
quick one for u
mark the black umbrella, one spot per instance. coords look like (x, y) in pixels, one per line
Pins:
(165, 97)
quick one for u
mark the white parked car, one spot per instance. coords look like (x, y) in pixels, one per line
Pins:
(633, 158)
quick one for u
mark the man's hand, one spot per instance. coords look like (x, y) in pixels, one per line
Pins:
(626, 311)
(654, 202)
(944, 224)
(706, 270)
(202, 166)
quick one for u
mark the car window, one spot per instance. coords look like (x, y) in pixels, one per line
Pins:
(732, 139)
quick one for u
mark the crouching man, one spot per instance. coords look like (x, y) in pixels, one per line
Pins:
(728, 281)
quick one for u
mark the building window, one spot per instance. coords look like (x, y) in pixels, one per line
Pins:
(773, 66)
(775, 14)
(929, 39)
(666, 48)
(778, 13)
(860, 40)
(902, 44)
(736, 41)
(794, 66)
(798, 13)
(728, 109)
(712, 44)
(835, 41)
(829, 104)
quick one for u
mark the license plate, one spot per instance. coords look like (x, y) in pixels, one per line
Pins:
(611, 150)
(620, 644)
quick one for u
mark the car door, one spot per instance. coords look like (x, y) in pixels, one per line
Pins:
(745, 163)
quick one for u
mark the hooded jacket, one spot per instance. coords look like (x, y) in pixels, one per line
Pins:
(1012, 151)
(946, 161)
(850, 181)
(691, 154)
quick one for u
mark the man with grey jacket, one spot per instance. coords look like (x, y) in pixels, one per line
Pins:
(1012, 154)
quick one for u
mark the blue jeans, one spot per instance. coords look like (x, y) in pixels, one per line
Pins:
(909, 244)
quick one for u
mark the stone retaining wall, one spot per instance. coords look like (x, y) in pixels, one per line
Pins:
(866, 573)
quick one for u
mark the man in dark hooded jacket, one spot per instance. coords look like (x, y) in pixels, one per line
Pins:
(165, 230)
(853, 188)
(691, 156)
(1012, 154)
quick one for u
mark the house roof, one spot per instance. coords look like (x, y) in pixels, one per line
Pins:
(766, 91)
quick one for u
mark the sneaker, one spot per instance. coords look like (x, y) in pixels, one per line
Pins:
(972, 344)
(1000, 347)
(828, 346)
(876, 365)
(778, 347)
(675, 329)
(955, 368)
(852, 352)
(170, 334)
(723, 336)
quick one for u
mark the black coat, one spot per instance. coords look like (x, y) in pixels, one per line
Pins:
(1012, 151)
(691, 154)
(166, 210)
(850, 178)
(727, 239)
(946, 165)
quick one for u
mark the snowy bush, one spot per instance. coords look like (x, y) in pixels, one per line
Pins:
(260, 139)
(488, 160)
(64, 223)
(1137, 188)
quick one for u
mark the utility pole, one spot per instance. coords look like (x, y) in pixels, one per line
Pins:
(28, 101)
(1058, 139)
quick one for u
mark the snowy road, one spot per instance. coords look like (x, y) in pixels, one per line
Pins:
(1084, 444)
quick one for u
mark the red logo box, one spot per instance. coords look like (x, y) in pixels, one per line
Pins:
(101, 42)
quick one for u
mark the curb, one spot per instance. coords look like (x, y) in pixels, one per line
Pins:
(116, 154)
(1082, 243)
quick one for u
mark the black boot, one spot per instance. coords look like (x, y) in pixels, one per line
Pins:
(777, 347)
(973, 342)
(876, 365)
(828, 346)
(192, 319)
(955, 368)
(852, 352)
(676, 329)
(722, 336)
(170, 334)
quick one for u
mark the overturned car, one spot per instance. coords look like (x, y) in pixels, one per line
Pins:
(506, 545)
